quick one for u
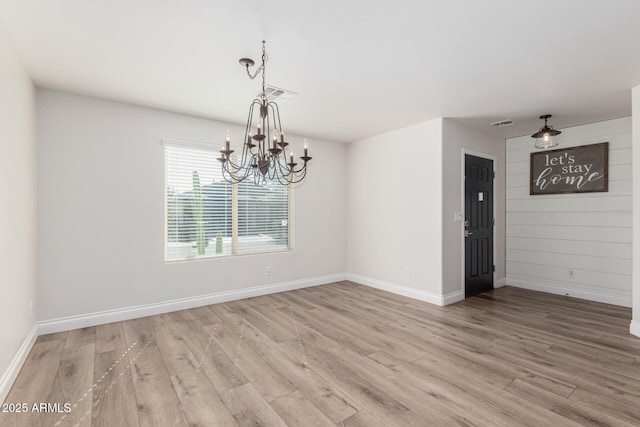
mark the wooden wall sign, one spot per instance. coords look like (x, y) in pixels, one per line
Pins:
(583, 169)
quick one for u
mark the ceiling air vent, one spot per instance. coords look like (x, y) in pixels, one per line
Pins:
(502, 123)
(277, 94)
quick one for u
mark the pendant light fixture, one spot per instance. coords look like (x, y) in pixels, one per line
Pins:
(264, 156)
(545, 136)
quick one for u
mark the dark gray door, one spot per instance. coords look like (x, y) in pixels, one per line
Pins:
(478, 207)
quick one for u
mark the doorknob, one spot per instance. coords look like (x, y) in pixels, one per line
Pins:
(467, 233)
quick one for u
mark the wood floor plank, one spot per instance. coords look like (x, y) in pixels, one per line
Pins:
(82, 336)
(200, 402)
(259, 371)
(34, 383)
(329, 326)
(53, 337)
(204, 314)
(250, 409)
(295, 324)
(582, 373)
(73, 385)
(363, 391)
(176, 354)
(378, 337)
(406, 393)
(484, 396)
(362, 419)
(619, 343)
(628, 412)
(576, 411)
(290, 361)
(114, 401)
(441, 392)
(267, 326)
(110, 337)
(347, 355)
(295, 410)
(158, 403)
(597, 355)
(219, 367)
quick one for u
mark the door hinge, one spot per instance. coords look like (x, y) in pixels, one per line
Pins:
(493, 221)
(494, 174)
(494, 268)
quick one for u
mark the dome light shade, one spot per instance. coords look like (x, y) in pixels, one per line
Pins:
(545, 136)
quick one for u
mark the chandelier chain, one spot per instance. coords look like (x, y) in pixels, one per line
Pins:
(260, 69)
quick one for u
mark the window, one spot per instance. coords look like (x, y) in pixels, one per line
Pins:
(206, 216)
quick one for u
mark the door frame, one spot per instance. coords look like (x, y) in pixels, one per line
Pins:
(494, 159)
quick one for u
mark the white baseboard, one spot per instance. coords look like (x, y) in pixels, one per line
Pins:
(118, 315)
(500, 283)
(16, 364)
(634, 328)
(574, 293)
(406, 291)
(452, 297)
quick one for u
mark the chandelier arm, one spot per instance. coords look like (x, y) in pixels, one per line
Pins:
(277, 171)
(280, 176)
(228, 176)
(276, 110)
(247, 129)
(282, 166)
(297, 177)
(274, 117)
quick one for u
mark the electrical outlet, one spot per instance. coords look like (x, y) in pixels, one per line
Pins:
(571, 274)
(267, 270)
(407, 272)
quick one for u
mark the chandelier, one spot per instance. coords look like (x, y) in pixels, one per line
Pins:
(545, 135)
(264, 151)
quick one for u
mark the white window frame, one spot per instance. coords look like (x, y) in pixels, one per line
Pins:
(234, 210)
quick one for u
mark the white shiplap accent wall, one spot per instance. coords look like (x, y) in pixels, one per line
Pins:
(589, 233)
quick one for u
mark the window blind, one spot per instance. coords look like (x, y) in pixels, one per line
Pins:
(207, 216)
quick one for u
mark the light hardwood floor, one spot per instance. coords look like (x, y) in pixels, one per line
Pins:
(346, 355)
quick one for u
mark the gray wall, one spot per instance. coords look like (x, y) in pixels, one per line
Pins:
(17, 211)
(101, 211)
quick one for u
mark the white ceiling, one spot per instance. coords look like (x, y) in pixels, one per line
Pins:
(360, 67)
